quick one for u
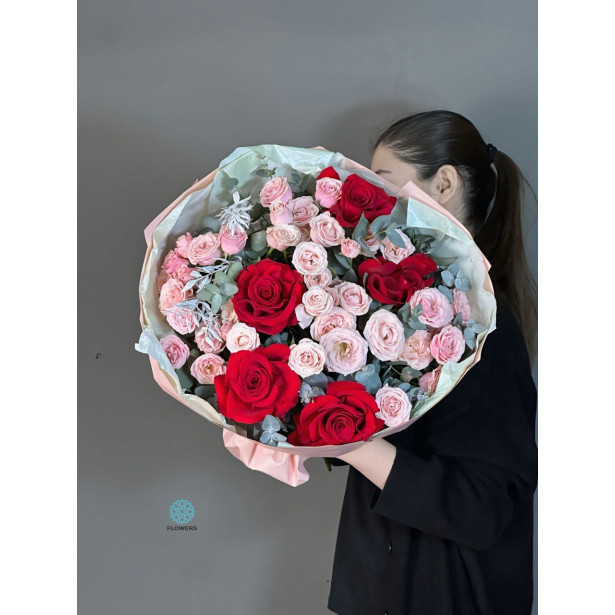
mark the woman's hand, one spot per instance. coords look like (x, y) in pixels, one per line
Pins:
(374, 460)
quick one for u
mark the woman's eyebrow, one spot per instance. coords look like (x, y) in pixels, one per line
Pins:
(380, 171)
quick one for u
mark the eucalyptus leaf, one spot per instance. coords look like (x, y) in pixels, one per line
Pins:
(446, 292)
(351, 276)
(395, 237)
(448, 278)
(361, 229)
(258, 240)
(478, 328)
(229, 288)
(222, 278)
(471, 342)
(216, 303)
(380, 223)
(341, 259)
(234, 270)
(185, 381)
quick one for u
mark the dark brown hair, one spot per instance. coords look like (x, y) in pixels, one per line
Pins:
(431, 139)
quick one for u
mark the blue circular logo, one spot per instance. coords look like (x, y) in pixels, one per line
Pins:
(181, 511)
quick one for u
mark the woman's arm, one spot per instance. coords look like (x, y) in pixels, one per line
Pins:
(374, 460)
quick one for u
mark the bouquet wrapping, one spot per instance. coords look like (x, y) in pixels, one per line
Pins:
(306, 305)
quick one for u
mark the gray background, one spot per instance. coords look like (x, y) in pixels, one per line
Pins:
(168, 89)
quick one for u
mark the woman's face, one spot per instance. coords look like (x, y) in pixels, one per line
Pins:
(445, 187)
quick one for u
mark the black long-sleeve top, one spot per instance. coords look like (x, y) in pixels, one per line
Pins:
(451, 532)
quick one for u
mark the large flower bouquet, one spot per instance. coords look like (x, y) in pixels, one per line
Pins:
(306, 305)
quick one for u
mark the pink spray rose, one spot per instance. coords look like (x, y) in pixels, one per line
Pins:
(437, 311)
(227, 311)
(234, 241)
(448, 345)
(206, 367)
(393, 405)
(317, 301)
(384, 333)
(353, 298)
(461, 305)
(171, 293)
(345, 350)
(181, 245)
(304, 209)
(307, 358)
(309, 258)
(350, 248)
(172, 262)
(275, 190)
(242, 337)
(326, 230)
(175, 349)
(394, 253)
(206, 342)
(337, 318)
(281, 213)
(204, 249)
(416, 350)
(322, 279)
(181, 320)
(429, 381)
(328, 191)
(283, 236)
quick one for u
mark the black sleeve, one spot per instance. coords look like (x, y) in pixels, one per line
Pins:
(482, 454)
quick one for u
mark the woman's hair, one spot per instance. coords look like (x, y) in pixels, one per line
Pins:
(431, 139)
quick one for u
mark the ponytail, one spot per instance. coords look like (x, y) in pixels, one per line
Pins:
(432, 139)
(501, 240)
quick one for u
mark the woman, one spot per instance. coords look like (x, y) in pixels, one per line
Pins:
(438, 519)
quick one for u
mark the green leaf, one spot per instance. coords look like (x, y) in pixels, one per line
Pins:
(222, 278)
(380, 223)
(185, 381)
(204, 295)
(216, 303)
(258, 240)
(261, 172)
(234, 270)
(361, 229)
(351, 276)
(229, 288)
(395, 237)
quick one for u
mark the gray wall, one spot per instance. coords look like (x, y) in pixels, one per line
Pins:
(168, 89)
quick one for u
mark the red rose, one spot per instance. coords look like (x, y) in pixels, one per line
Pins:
(360, 197)
(394, 284)
(328, 172)
(267, 296)
(257, 383)
(345, 414)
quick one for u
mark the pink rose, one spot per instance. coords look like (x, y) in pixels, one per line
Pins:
(161, 278)
(181, 320)
(350, 248)
(283, 236)
(227, 311)
(322, 279)
(275, 190)
(173, 261)
(461, 305)
(242, 337)
(394, 253)
(373, 243)
(204, 249)
(310, 259)
(416, 350)
(437, 311)
(184, 273)
(232, 241)
(304, 209)
(181, 245)
(317, 301)
(225, 328)
(353, 298)
(429, 381)
(326, 230)
(206, 367)
(171, 293)
(176, 350)
(337, 318)
(281, 213)
(384, 333)
(205, 339)
(303, 318)
(328, 191)
(448, 345)
(345, 350)
(334, 291)
(306, 358)
(393, 405)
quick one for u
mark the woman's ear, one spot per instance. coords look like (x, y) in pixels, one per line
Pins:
(446, 185)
